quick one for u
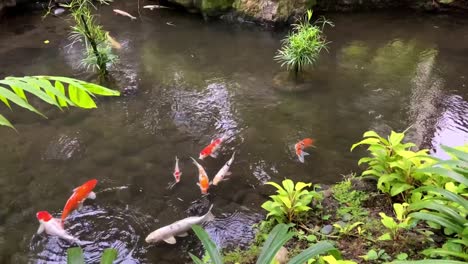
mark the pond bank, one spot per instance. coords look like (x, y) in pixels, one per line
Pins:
(276, 11)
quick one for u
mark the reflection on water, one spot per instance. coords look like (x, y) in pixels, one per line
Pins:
(188, 84)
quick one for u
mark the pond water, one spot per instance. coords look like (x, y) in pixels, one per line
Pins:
(187, 83)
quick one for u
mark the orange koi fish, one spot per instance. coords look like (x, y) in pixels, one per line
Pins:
(211, 149)
(80, 194)
(203, 180)
(300, 146)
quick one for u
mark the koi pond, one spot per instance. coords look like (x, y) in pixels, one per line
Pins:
(185, 82)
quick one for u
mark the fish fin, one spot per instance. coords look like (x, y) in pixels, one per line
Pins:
(209, 216)
(80, 206)
(40, 229)
(184, 234)
(305, 153)
(214, 155)
(301, 158)
(198, 184)
(91, 195)
(170, 240)
(74, 190)
(228, 173)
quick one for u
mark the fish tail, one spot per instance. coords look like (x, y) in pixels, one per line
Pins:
(301, 157)
(209, 216)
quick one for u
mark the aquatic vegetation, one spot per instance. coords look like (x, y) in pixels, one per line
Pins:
(291, 201)
(98, 49)
(75, 256)
(394, 165)
(54, 90)
(302, 47)
(276, 239)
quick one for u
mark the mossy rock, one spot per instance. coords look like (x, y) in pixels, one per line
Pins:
(213, 7)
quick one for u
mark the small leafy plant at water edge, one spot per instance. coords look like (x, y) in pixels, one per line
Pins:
(276, 239)
(290, 201)
(303, 46)
(350, 200)
(394, 165)
(395, 227)
(376, 255)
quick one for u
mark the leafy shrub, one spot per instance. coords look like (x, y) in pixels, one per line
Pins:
(447, 207)
(291, 201)
(276, 239)
(350, 200)
(302, 47)
(394, 165)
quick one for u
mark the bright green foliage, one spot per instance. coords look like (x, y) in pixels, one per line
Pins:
(376, 255)
(208, 244)
(98, 50)
(303, 46)
(394, 165)
(332, 260)
(428, 261)
(75, 256)
(350, 200)
(291, 201)
(395, 227)
(446, 207)
(54, 90)
(276, 239)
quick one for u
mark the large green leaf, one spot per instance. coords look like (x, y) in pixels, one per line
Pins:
(442, 208)
(75, 256)
(438, 219)
(447, 173)
(209, 245)
(462, 155)
(445, 252)
(276, 239)
(5, 122)
(315, 250)
(428, 261)
(80, 93)
(446, 194)
(196, 259)
(109, 255)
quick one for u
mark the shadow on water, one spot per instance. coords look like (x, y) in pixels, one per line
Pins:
(187, 84)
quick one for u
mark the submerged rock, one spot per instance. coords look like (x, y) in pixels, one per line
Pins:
(282, 256)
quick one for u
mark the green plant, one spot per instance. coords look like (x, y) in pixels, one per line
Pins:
(395, 227)
(376, 255)
(98, 50)
(291, 201)
(350, 200)
(446, 208)
(54, 90)
(347, 229)
(303, 46)
(276, 239)
(394, 165)
(75, 256)
(332, 260)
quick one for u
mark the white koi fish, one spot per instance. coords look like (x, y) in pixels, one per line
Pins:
(52, 226)
(123, 13)
(151, 7)
(177, 173)
(179, 228)
(224, 171)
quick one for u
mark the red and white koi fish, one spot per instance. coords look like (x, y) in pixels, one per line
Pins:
(224, 171)
(300, 146)
(177, 173)
(52, 226)
(203, 180)
(80, 194)
(211, 149)
(123, 13)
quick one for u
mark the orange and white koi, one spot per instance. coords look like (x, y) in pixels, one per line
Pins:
(80, 194)
(203, 180)
(224, 171)
(52, 226)
(299, 148)
(177, 173)
(211, 149)
(123, 13)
